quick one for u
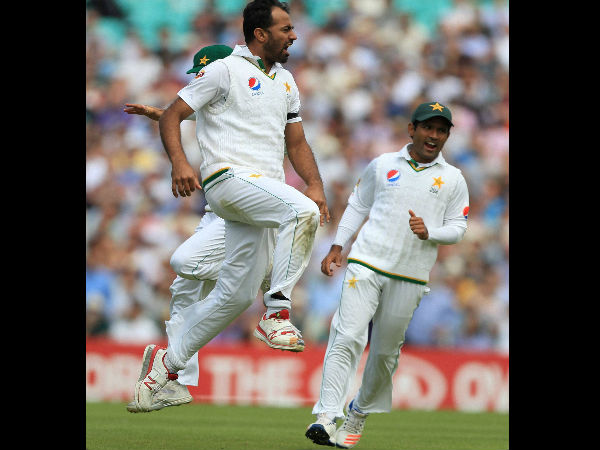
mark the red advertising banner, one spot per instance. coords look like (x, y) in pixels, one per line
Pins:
(254, 374)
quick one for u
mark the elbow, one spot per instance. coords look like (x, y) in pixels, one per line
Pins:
(169, 116)
(162, 120)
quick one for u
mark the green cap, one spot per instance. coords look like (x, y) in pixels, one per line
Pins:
(431, 109)
(208, 54)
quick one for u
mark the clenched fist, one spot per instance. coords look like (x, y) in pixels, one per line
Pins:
(418, 226)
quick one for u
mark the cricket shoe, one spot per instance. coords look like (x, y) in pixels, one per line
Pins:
(322, 432)
(173, 394)
(348, 435)
(156, 377)
(278, 332)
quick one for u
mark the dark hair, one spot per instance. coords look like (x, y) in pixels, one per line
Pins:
(257, 14)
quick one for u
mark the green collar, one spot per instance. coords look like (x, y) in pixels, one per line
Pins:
(260, 64)
(415, 165)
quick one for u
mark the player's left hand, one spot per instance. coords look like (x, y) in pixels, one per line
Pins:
(418, 226)
(316, 193)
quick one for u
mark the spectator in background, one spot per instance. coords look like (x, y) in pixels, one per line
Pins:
(135, 326)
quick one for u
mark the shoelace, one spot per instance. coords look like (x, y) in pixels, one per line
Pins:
(322, 418)
(354, 423)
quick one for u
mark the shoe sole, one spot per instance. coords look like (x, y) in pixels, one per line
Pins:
(318, 435)
(146, 361)
(132, 408)
(166, 403)
(297, 348)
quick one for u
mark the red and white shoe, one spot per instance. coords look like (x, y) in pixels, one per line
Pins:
(348, 435)
(157, 375)
(278, 332)
(173, 394)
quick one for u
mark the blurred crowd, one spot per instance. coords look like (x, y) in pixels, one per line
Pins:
(361, 67)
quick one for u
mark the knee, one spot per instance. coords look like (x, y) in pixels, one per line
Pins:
(310, 210)
(240, 302)
(177, 262)
(309, 215)
(385, 357)
(346, 343)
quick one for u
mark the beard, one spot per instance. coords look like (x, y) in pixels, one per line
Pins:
(274, 52)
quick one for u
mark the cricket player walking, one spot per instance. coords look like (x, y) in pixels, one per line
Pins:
(415, 201)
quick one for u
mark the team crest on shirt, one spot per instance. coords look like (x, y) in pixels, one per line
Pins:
(437, 185)
(254, 85)
(466, 212)
(392, 177)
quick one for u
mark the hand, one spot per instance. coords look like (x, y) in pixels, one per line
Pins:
(143, 110)
(334, 256)
(316, 194)
(184, 179)
(418, 226)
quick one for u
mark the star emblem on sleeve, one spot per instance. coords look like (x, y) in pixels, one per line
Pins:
(352, 282)
(287, 87)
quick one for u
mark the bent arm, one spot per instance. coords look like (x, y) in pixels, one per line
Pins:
(303, 161)
(351, 221)
(183, 177)
(301, 155)
(450, 233)
(169, 125)
(455, 218)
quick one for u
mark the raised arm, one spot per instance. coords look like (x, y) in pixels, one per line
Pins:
(303, 161)
(183, 176)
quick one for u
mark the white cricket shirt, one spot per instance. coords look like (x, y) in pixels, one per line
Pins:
(389, 186)
(241, 114)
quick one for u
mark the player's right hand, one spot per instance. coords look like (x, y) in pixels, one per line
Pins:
(334, 256)
(184, 179)
(143, 110)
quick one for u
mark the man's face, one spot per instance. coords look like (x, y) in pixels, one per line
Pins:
(280, 36)
(428, 138)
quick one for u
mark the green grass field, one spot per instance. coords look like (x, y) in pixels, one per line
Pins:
(209, 427)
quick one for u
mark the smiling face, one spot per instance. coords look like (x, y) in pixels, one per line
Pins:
(429, 136)
(280, 35)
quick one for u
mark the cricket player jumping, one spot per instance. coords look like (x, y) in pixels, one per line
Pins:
(248, 106)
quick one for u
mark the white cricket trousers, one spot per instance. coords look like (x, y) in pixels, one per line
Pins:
(264, 218)
(196, 262)
(366, 296)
